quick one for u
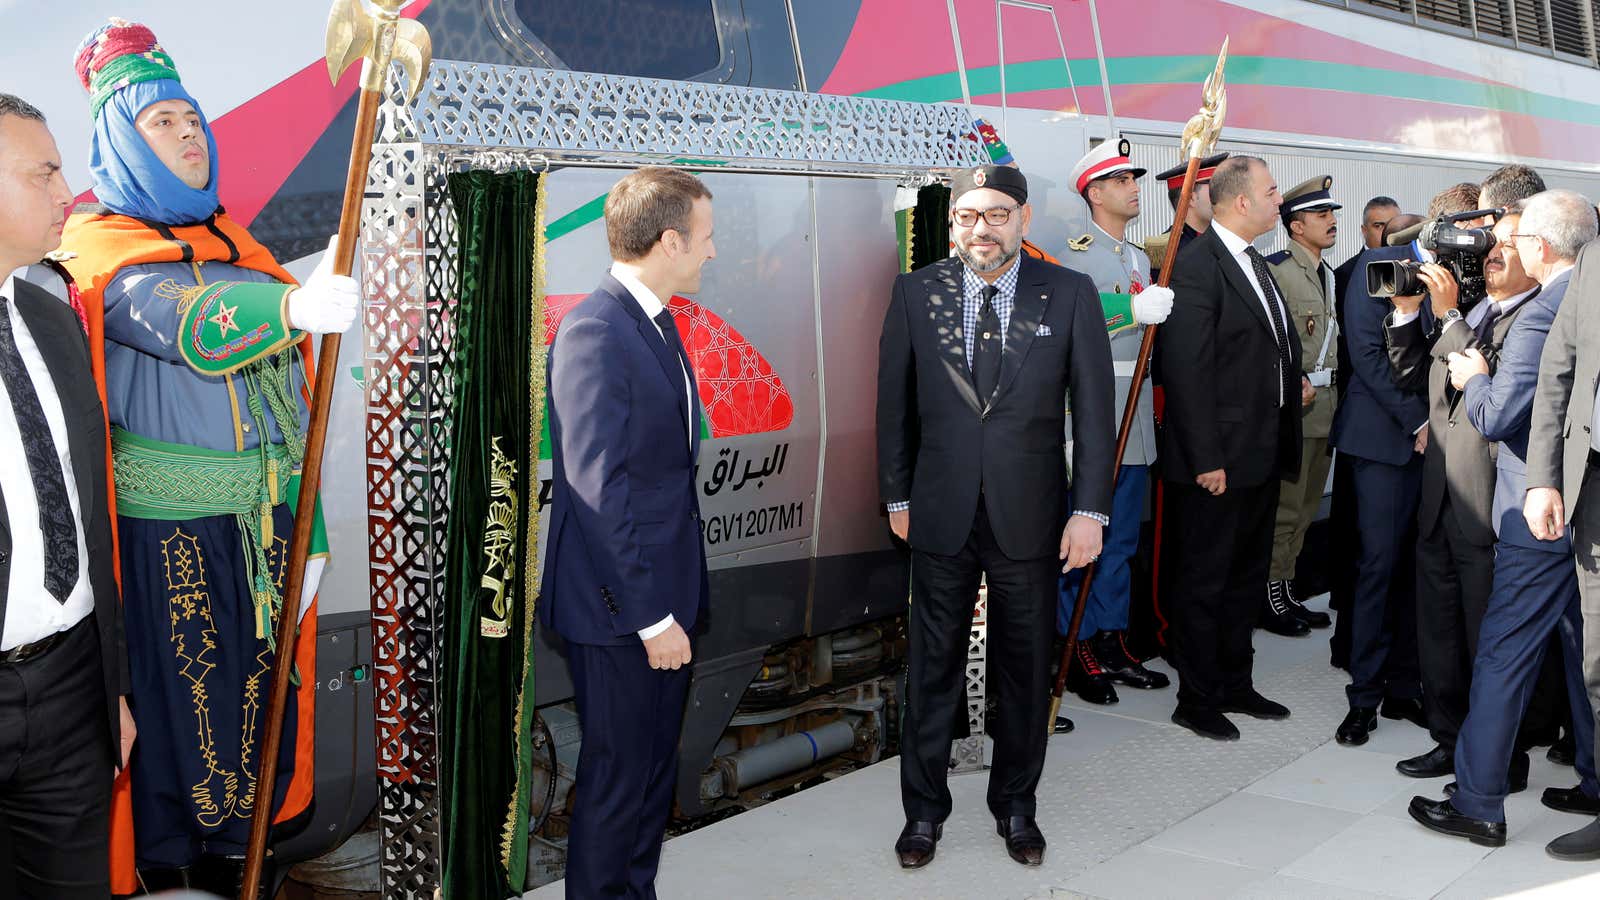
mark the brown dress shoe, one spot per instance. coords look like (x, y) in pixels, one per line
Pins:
(1024, 840)
(917, 842)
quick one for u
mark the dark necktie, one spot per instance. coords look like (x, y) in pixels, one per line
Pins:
(1485, 329)
(669, 333)
(1291, 391)
(986, 347)
(55, 513)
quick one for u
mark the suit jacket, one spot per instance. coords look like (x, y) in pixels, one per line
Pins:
(1569, 372)
(1377, 419)
(1342, 276)
(942, 448)
(59, 336)
(1460, 461)
(1500, 406)
(1219, 359)
(625, 545)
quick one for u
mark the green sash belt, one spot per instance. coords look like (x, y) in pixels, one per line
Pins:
(158, 480)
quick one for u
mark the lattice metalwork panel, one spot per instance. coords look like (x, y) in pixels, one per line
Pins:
(407, 363)
(612, 116)
(966, 754)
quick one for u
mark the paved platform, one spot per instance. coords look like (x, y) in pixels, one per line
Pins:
(1136, 808)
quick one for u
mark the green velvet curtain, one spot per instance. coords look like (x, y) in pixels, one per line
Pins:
(930, 229)
(491, 587)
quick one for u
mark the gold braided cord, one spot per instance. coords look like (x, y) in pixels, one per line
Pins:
(536, 392)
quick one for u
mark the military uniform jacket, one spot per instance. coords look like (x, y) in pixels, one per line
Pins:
(1307, 291)
(1117, 267)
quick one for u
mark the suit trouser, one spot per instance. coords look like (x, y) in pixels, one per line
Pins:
(1535, 595)
(1110, 593)
(1586, 542)
(631, 715)
(1297, 506)
(1344, 550)
(1022, 603)
(55, 773)
(1383, 622)
(1220, 550)
(1453, 581)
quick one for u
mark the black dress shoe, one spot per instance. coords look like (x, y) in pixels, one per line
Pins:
(1277, 616)
(1571, 800)
(917, 842)
(1205, 722)
(1063, 725)
(1576, 846)
(1024, 840)
(1441, 816)
(1436, 762)
(1358, 723)
(1404, 711)
(1087, 678)
(1313, 618)
(154, 881)
(1256, 706)
(1111, 647)
(1564, 752)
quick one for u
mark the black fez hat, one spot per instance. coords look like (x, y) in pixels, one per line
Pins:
(1004, 179)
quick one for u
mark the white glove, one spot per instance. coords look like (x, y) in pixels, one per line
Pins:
(326, 303)
(1152, 305)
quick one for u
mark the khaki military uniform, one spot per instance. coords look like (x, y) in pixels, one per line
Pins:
(1308, 292)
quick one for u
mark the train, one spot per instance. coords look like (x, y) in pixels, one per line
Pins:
(798, 673)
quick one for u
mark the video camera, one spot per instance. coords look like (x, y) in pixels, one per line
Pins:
(1461, 250)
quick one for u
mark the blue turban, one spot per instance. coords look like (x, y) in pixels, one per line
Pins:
(128, 176)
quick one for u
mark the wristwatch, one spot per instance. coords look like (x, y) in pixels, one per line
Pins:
(1450, 315)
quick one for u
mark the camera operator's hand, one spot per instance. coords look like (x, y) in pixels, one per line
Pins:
(1409, 305)
(1443, 295)
(1545, 516)
(1465, 365)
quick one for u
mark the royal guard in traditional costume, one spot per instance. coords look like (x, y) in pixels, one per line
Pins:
(1198, 218)
(197, 333)
(1108, 182)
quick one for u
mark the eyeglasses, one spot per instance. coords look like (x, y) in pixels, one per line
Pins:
(1513, 236)
(996, 216)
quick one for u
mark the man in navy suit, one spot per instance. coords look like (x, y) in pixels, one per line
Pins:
(1535, 589)
(625, 568)
(1381, 429)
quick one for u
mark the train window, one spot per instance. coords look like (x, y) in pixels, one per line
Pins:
(646, 38)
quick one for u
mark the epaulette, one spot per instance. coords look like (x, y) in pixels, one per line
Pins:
(1080, 243)
(1278, 257)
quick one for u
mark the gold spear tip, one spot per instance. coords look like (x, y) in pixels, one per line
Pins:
(353, 34)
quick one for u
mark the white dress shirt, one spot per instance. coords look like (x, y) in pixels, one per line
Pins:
(1237, 248)
(652, 306)
(32, 614)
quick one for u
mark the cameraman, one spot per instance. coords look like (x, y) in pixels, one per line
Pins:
(1455, 545)
(1535, 592)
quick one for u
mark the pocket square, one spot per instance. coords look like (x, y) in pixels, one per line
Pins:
(1044, 330)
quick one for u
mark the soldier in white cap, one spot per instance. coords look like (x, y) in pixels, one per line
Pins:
(1108, 182)
(1307, 283)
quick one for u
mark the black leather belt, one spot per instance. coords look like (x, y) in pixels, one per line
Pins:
(36, 649)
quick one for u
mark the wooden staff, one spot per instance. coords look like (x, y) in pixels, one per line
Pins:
(1199, 136)
(377, 39)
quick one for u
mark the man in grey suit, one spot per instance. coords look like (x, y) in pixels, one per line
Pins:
(1535, 587)
(1563, 456)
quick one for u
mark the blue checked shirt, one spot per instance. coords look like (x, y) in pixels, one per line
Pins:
(971, 302)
